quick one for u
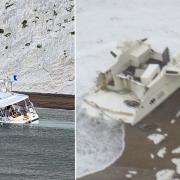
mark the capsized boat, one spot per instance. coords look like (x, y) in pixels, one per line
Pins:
(16, 108)
(137, 83)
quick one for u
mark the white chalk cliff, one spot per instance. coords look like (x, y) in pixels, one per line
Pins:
(37, 44)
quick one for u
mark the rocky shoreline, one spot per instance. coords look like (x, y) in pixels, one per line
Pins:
(48, 100)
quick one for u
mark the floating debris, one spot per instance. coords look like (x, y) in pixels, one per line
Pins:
(8, 34)
(176, 161)
(172, 121)
(178, 114)
(165, 174)
(152, 156)
(156, 138)
(176, 151)
(24, 24)
(161, 153)
(128, 175)
(8, 5)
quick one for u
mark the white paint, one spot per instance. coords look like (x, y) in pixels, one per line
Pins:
(156, 138)
(176, 161)
(176, 150)
(165, 174)
(161, 153)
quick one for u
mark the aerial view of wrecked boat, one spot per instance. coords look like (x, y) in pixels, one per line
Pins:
(140, 81)
(15, 108)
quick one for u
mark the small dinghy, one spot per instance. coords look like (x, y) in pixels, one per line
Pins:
(140, 80)
(16, 108)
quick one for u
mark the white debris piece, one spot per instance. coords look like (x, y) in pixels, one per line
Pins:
(165, 174)
(172, 121)
(156, 138)
(176, 151)
(178, 114)
(161, 153)
(152, 156)
(176, 161)
(132, 172)
(159, 130)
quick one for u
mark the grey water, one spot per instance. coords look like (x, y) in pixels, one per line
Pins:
(39, 152)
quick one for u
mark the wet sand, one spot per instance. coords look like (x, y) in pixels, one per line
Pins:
(47, 100)
(136, 155)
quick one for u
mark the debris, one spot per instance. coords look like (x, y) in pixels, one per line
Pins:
(159, 130)
(176, 151)
(152, 156)
(161, 152)
(178, 114)
(172, 121)
(156, 138)
(176, 161)
(165, 174)
(132, 172)
(55, 13)
(1, 31)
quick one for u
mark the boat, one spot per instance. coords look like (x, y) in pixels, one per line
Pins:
(16, 108)
(140, 80)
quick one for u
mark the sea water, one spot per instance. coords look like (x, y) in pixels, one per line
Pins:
(42, 152)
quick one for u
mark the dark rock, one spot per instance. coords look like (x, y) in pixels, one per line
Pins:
(6, 47)
(55, 13)
(8, 34)
(8, 5)
(1, 31)
(27, 44)
(72, 33)
(39, 46)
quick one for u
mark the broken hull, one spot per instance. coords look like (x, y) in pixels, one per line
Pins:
(111, 104)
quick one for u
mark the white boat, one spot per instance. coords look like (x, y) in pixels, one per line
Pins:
(16, 108)
(140, 81)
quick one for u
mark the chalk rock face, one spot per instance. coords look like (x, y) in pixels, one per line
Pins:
(37, 44)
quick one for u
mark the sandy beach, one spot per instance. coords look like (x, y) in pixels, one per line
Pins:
(138, 149)
(47, 100)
